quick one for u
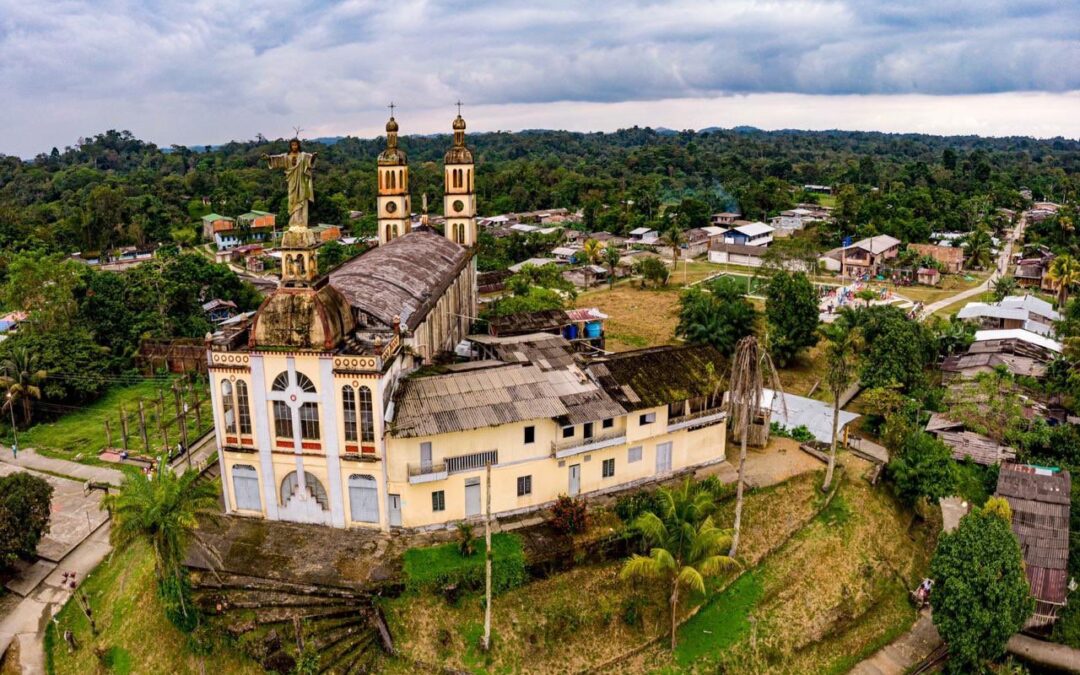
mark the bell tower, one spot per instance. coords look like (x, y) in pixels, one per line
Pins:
(393, 201)
(459, 201)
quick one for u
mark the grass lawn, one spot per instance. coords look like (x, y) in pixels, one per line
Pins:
(80, 434)
(582, 617)
(133, 634)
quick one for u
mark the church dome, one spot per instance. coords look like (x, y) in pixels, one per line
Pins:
(302, 318)
(459, 123)
(391, 126)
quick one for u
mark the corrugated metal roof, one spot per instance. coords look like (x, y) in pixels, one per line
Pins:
(647, 378)
(403, 278)
(1040, 501)
(473, 399)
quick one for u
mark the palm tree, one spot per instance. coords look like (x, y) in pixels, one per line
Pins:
(591, 252)
(22, 379)
(673, 236)
(685, 545)
(612, 256)
(1004, 287)
(749, 367)
(845, 342)
(162, 511)
(980, 248)
(1065, 272)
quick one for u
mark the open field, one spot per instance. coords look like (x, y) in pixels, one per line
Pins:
(133, 634)
(639, 317)
(80, 434)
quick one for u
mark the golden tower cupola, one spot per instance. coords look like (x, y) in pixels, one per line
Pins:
(459, 200)
(394, 213)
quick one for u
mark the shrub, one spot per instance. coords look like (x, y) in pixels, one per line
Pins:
(633, 610)
(799, 433)
(24, 515)
(630, 506)
(466, 539)
(435, 567)
(175, 595)
(569, 515)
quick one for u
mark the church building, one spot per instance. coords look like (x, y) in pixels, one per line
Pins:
(328, 407)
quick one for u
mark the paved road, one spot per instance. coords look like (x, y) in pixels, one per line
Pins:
(28, 620)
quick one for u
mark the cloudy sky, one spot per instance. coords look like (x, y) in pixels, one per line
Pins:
(203, 71)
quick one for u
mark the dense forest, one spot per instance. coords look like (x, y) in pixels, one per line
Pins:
(113, 189)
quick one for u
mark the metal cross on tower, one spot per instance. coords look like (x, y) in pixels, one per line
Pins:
(391, 106)
(459, 107)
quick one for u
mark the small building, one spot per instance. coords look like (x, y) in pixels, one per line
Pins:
(327, 233)
(566, 254)
(866, 256)
(1026, 312)
(951, 257)
(737, 254)
(523, 323)
(797, 218)
(928, 276)
(535, 262)
(725, 218)
(608, 239)
(218, 310)
(1040, 498)
(9, 323)
(968, 444)
(1017, 339)
(586, 326)
(1031, 270)
(752, 234)
(643, 235)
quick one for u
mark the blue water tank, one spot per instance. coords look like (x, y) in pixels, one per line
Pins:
(592, 329)
(571, 331)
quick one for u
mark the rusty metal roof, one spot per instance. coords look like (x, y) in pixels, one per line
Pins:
(1040, 502)
(473, 399)
(647, 378)
(404, 278)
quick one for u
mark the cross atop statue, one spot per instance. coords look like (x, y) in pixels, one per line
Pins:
(298, 166)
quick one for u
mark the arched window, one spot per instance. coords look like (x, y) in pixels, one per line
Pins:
(243, 407)
(367, 419)
(393, 180)
(387, 233)
(401, 178)
(468, 180)
(305, 383)
(395, 231)
(228, 407)
(315, 488)
(281, 382)
(348, 405)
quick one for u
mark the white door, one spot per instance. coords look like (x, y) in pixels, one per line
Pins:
(363, 499)
(575, 480)
(395, 510)
(663, 458)
(246, 488)
(472, 497)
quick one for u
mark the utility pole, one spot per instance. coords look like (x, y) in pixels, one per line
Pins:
(181, 416)
(487, 564)
(123, 427)
(14, 432)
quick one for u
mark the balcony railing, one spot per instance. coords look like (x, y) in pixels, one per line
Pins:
(701, 418)
(574, 446)
(424, 473)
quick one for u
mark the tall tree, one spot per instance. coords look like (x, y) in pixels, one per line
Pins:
(980, 595)
(791, 311)
(719, 315)
(980, 248)
(24, 515)
(841, 358)
(22, 378)
(591, 250)
(750, 367)
(612, 256)
(1064, 272)
(686, 546)
(163, 512)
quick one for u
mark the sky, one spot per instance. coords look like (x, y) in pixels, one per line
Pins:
(200, 72)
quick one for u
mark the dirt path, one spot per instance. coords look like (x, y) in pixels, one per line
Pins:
(907, 650)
